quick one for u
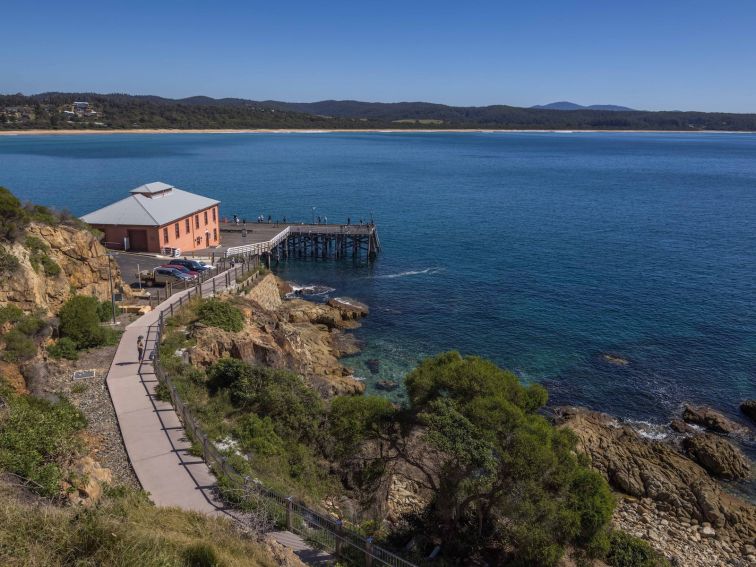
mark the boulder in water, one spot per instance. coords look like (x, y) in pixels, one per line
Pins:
(374, 365)
(349, 308)
(748, 407)
(712, 420)
(614, 359)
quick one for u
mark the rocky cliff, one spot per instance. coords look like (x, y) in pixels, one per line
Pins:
(666, 484)
(304, 337)
(83, 268)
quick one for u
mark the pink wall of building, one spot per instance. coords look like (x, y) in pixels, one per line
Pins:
(193, 232)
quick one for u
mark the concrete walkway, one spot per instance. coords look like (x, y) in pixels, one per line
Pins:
(155, 439)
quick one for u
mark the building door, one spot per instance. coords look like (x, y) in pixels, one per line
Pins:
(138, 240)
(207, 239)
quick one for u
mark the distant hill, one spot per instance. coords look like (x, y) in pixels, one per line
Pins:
(566, 105)
(122, 111)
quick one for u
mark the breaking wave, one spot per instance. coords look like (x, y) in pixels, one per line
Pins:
(309, 290)
(411, 273)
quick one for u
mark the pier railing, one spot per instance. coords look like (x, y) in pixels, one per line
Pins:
(324, 532)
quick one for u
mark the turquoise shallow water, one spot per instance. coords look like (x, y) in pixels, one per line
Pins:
(541, 251)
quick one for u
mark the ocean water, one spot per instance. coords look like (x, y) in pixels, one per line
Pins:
(541, 251)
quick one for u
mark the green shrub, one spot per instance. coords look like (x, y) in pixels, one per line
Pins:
(8, 262)
(226, 372)
(64, 348)
(629, 551)
(18, 346)
(37, 438)
(36, 245)
(217, 313)
(105, 311)
(296, 409)
(49, 266)
(484, 424)
(162, 392)
(38, 256)
(80, 322)
(352, 419)
(257, 436)
(13, 217)
(10, 314)
(42, 214)
(30, 325)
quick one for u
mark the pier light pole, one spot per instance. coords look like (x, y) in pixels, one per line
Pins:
(313, 215)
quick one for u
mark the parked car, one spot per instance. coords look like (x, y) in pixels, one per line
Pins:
(194, 265)
(182, 269)
(163, 276)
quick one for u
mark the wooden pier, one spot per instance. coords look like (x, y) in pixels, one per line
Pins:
(317, 241)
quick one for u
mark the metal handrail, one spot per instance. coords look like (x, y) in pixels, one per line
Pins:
(336, 533)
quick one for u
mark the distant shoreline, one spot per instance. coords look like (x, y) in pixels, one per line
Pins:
(344, 130)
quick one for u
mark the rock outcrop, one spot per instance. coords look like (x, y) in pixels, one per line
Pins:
(748, 408)
(87, 482)
(644, 468)
(83, 269)
(718, 456)
(304, 337)
(712, 420)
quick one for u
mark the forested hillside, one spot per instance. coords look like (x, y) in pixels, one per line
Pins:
(122, 111)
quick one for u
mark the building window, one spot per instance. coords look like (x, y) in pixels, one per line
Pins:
(214, 219)
(205, 218)
(196, 221)
(215, 235)
(178, 234)
(188, 226)
(165, 235)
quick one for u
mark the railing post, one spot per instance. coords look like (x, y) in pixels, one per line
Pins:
(289, 512)
(369, 552)
(213, 286)
(339, 536)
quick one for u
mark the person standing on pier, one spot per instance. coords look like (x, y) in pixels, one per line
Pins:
(140, 348)
(349, 220)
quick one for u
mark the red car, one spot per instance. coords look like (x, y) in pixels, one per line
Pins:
(182, 269)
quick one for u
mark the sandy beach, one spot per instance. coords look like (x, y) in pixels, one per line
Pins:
(345, 130)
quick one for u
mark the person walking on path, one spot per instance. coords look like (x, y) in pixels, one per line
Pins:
(140, 347)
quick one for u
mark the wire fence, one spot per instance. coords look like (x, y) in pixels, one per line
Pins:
(321, 531)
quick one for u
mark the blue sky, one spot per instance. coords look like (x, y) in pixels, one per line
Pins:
(667, 54)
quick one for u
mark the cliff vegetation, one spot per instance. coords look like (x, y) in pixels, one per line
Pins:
(469, 465)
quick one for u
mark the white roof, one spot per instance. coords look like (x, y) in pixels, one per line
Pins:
(154, 187)
(167, 204)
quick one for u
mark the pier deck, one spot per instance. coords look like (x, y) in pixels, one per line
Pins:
(278, 240)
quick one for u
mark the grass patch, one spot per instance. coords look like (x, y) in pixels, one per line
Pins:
(124, 529)
(217, 313)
